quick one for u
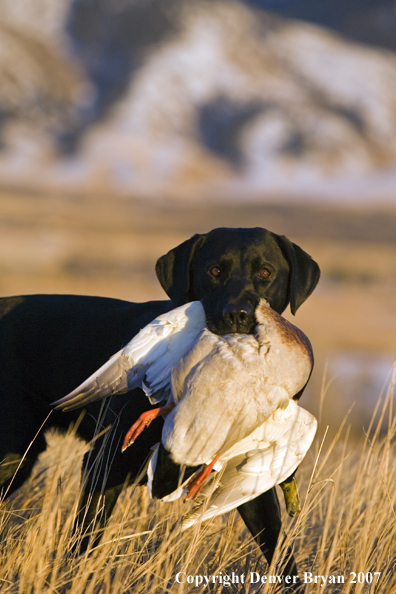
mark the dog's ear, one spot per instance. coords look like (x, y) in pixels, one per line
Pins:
(304, 272)
(173, 269)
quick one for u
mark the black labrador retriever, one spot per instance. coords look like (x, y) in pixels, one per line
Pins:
(50, 343)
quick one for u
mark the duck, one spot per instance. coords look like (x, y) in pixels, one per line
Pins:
(230, 407)
(267, 457)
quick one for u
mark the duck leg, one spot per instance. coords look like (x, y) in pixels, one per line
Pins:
(144, 421)
(197, 483)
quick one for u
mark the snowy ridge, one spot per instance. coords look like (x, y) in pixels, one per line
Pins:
(237, 103)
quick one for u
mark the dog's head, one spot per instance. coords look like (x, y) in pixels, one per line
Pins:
(230, 270)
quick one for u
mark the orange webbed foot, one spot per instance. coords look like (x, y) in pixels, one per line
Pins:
(197, 483)
(144, 421)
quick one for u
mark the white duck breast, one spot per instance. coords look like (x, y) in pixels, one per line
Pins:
(256, 464)
(226, 387)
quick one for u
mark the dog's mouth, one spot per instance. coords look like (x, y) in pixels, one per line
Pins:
(223, 329)
(242, 325)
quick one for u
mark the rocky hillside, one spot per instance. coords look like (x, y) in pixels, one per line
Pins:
(192, 100)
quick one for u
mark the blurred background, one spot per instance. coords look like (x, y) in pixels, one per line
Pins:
(126, 126)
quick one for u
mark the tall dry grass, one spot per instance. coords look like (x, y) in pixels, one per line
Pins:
(347, 525)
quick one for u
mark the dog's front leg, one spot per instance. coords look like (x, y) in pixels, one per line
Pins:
(262, 516)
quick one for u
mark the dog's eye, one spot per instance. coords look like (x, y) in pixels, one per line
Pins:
(264, 273)
(215, 271)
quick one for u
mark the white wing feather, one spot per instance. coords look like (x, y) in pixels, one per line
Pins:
(147, 360)
(254, 465)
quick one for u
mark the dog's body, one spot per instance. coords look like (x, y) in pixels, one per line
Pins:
(50, 344)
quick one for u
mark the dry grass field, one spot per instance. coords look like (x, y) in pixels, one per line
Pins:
(102, 246)
(343, 538)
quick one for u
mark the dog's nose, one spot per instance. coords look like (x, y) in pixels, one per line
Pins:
(237, 317)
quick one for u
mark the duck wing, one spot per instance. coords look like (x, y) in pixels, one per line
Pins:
(271, 454)
(146, 361)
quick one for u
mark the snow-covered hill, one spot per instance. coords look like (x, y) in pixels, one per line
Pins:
(232, 102)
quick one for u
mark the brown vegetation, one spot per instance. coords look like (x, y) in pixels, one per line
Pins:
(346, 529)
